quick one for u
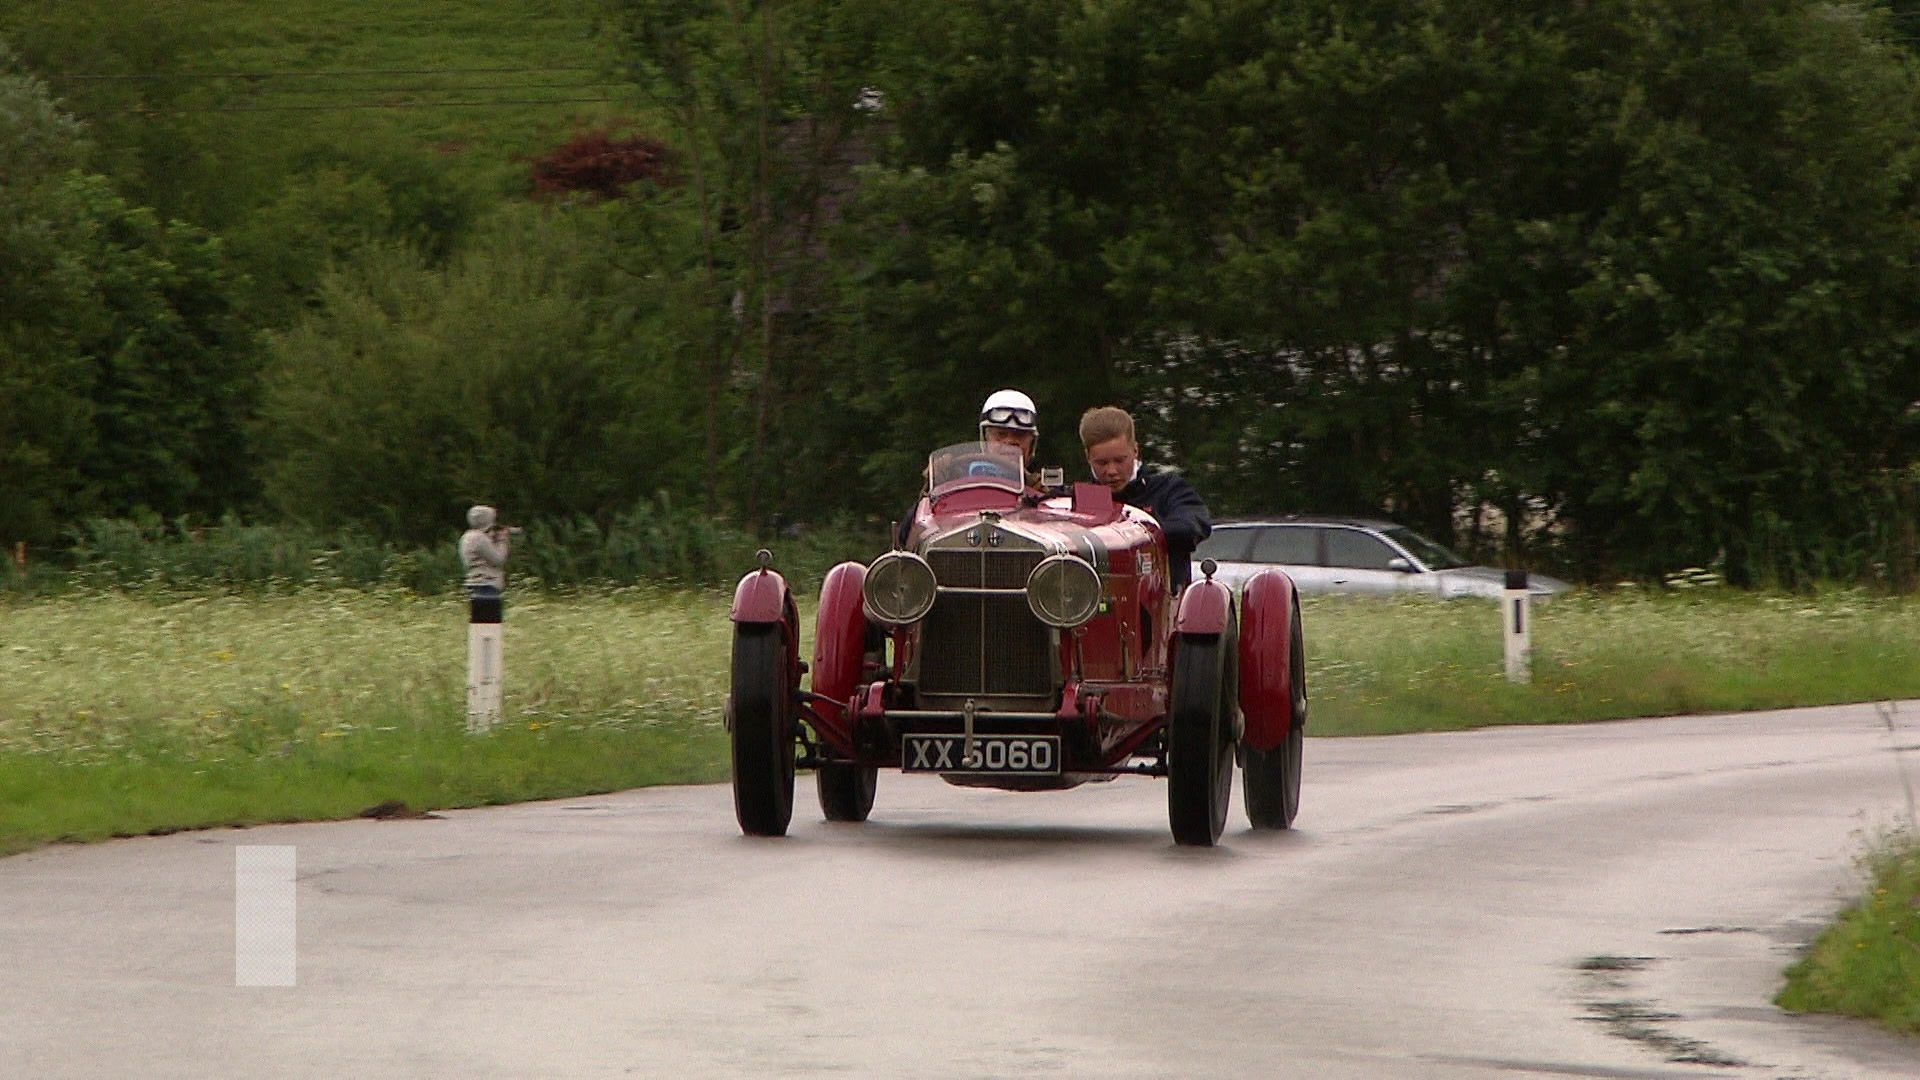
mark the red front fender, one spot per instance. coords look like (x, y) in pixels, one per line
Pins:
(1205, 608)
(839, 650)
(761, 597)
(1266, 659)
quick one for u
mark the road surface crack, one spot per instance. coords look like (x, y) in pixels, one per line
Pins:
(1607, 983)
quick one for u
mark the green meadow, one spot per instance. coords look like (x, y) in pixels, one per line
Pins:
(128, 712)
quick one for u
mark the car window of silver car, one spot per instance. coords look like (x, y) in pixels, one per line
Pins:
(1295, 545)
(1356, 550)
(1428, 552)
(1227, 544)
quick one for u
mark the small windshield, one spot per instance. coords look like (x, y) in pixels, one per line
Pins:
(975, 464)
(1428, 552)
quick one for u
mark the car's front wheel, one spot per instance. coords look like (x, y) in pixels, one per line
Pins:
(846, 790)
(761, 716)
(1200, 737)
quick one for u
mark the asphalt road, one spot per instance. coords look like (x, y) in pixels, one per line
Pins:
(1601, 901)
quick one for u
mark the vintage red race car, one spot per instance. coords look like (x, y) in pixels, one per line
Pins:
(1020, 639)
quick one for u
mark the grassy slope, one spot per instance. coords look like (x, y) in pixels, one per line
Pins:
(339, 37)
(336, 35)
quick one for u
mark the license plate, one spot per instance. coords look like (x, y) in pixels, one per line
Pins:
(1024, 755)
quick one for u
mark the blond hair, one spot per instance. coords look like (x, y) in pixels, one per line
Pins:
(1104, 424)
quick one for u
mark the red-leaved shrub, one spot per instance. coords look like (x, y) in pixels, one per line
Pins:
(602, 164)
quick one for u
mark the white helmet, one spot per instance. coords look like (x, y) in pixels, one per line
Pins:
(1009, 409)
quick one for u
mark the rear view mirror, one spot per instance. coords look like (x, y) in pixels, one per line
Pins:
(1400, 564)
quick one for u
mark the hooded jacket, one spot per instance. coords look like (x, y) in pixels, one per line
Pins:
(482, 555)
(1182, 516)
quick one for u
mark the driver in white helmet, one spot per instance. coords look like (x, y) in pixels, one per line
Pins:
(1007, 418)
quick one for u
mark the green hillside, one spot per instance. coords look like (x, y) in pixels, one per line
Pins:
(481, 82)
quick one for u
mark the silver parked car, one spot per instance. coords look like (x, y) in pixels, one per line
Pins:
(1352, 555)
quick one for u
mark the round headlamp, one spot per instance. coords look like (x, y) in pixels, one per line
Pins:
(1064, 591)
(899, 588)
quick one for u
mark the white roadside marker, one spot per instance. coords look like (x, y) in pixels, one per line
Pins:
(1516, 620)
(485, 661)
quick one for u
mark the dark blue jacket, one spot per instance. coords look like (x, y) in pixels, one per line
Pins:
(1182, 516)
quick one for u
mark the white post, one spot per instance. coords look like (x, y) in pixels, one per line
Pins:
(1516, 620)
(485, 663)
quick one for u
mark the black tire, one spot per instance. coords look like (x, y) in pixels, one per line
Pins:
(1200, 739)
(762, 730)
(1270, 780)
(846, 790)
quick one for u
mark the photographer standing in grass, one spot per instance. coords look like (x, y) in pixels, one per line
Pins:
(483, 552)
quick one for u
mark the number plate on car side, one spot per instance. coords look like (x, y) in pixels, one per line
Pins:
(1019, 755)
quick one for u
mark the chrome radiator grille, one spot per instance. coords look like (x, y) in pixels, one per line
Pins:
(985, 645)
(971, 568)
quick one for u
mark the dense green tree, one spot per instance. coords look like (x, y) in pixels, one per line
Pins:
(412, 391)
(764, 106)
(125, 70)
(173, 363)
(172, 129)
(1625, 284)
(1634, 276)
(45, 415)
(124, 374)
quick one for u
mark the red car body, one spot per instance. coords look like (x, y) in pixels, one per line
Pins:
(1093, 664)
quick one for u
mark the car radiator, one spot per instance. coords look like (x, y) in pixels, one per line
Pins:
(985, 644)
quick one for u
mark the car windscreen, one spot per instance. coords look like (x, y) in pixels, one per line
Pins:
(1429, 553)
(975, 464)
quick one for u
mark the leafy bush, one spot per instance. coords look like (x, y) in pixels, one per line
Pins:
(125, 368)
(120, 553)
(602, 164)
(517, 376)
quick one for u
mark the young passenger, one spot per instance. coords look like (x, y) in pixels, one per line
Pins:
(1114, 457)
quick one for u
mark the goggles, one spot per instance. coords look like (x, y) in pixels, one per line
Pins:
(1006, 416)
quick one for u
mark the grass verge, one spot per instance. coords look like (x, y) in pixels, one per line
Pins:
(373, 773)
(1867, 964)
(124, 713)
(1389, 667)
